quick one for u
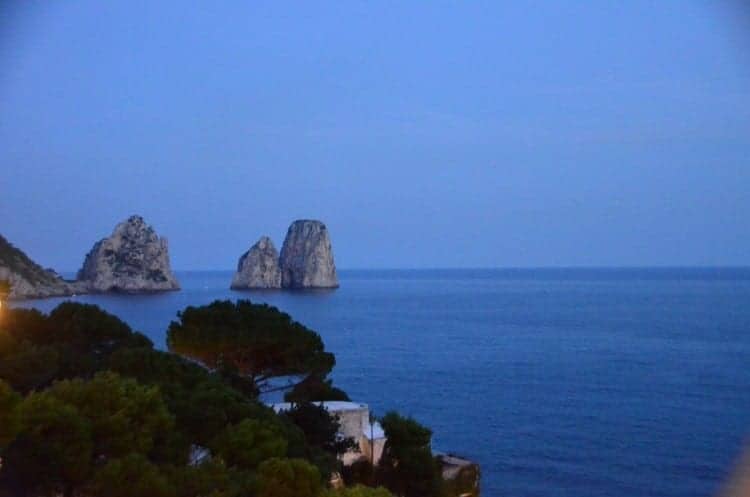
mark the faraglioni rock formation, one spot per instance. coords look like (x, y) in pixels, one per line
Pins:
(134, 259)
(258, 267)
(306, 259)
(28, 279)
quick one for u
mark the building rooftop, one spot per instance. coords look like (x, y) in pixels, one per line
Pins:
(334, 406)
(328, 405)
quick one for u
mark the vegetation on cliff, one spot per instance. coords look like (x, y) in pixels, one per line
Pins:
(18, 262)
(408, 466)
(27, 278)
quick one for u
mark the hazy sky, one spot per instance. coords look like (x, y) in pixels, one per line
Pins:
(425, 134)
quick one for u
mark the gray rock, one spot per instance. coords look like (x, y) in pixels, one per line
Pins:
(28, 279)
(134, 259)
(461, 475)
(258, 267)
(307, 258)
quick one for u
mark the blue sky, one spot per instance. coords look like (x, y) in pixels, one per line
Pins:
(425, 134)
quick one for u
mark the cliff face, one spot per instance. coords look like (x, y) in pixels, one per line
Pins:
(134, 259)
(28, 279)
(258, 267)
(461, 476)
(307, 258)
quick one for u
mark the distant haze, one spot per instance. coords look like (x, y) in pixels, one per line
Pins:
(424, 134)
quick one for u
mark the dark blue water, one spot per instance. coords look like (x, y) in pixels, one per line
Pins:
(558, 382)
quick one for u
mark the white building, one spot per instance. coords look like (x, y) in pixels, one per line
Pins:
(355, 423)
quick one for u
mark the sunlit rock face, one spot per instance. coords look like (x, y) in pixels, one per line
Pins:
(134, 259)
(306, 259)
(29, 280)
(258, 267)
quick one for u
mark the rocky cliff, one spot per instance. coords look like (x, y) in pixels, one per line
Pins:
(306, 259)
(28, 279)
(134, 259)
(460, 476)
(258, 267)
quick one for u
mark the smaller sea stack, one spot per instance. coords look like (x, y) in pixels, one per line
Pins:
(258, 267)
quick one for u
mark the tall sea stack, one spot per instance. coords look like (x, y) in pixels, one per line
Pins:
(306, 259)
(258, 267)
(134, 259)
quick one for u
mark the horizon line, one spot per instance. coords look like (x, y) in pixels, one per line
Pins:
(493, 268)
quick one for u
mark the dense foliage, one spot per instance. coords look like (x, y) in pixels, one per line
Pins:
(63, 432)
(256, 340)
(313, 388)
(408, 467)
(89, 408)
(320, 430)
(361, 491)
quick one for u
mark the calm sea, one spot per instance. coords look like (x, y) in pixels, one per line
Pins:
(559, 382)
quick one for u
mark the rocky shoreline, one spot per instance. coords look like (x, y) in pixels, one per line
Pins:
(29, 280)
(134, 259)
